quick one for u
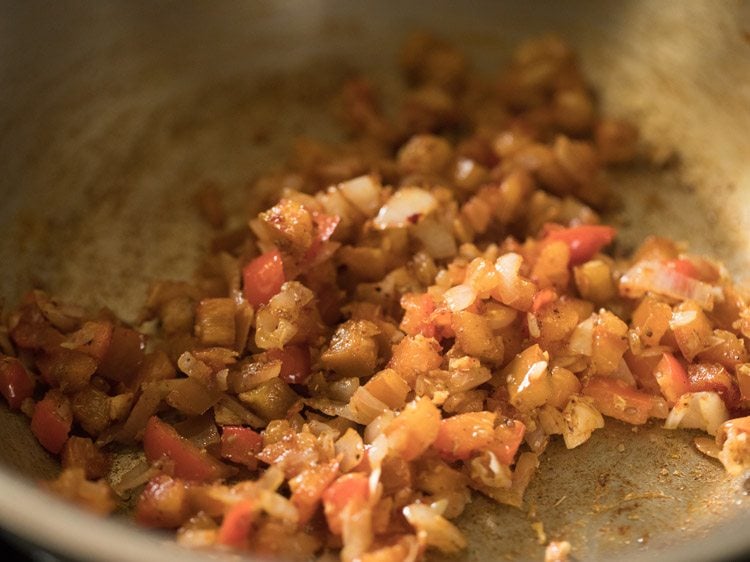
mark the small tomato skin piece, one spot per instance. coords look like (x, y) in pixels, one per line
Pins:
(52, 420)
(615, 399)
(671, 378)
(163, 503)
(161, 441)
(263, 277)
(237, 525)
(295, 363)
(584, 241)
(684, 267)
(16, 384)
(349, 488)
(462, 435)
(325, 225)
(241, 445)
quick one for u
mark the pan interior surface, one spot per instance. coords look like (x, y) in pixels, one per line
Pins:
(130, 107)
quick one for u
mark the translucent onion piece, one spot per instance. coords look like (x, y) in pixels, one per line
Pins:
(405, 207)
(657, 277)
(459, 298)
(698, 410)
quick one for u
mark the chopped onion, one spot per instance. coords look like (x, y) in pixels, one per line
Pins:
(245, 415)
(657, 277)
(404, 206)
(582, 339)
(436, 237)
(436, 529)
(486, 469)
(581, 419)
(707, 446)
(466, 373)
(139, 474)
(698, 410)
(364, 193)
(734, 439)
(365, 407)
(508, 266)
(351, 449)
(459, 298)
(278, 507)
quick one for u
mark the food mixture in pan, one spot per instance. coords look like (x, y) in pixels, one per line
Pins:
(410, 323)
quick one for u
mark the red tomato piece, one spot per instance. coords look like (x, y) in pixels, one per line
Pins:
(98, 338)
(295, 363)
(584, 241)
(712, 377)
(613, 398)
(508, 438)
(241, 445)
(16, 384)
(237, 525)
(463, 435)
(349, 488)
(163, 504)
(263, 277)
(52, 420)
(672, 378)
(162, 442)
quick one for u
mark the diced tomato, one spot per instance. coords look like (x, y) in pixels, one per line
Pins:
(462, 435)
(124, 355)
(162, 442)
(241, 445)
(349, 488)
(295, 363)
(263, 277)
(325, 225)
(52, 420)
(163, 504)
(418, 309)
(98, 336)
(613, 398)
(672, 378)
(543, 297)
(308, 487)
(16, 384)
(712, 377)
(643, 368)
(237, 525)
(508, 438)
(584, 241)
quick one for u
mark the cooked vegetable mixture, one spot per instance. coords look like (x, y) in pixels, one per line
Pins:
(420, 312)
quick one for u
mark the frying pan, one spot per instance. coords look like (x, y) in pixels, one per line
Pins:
(111, 114)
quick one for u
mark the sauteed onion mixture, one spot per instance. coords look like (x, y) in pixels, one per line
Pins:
(417, 315)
